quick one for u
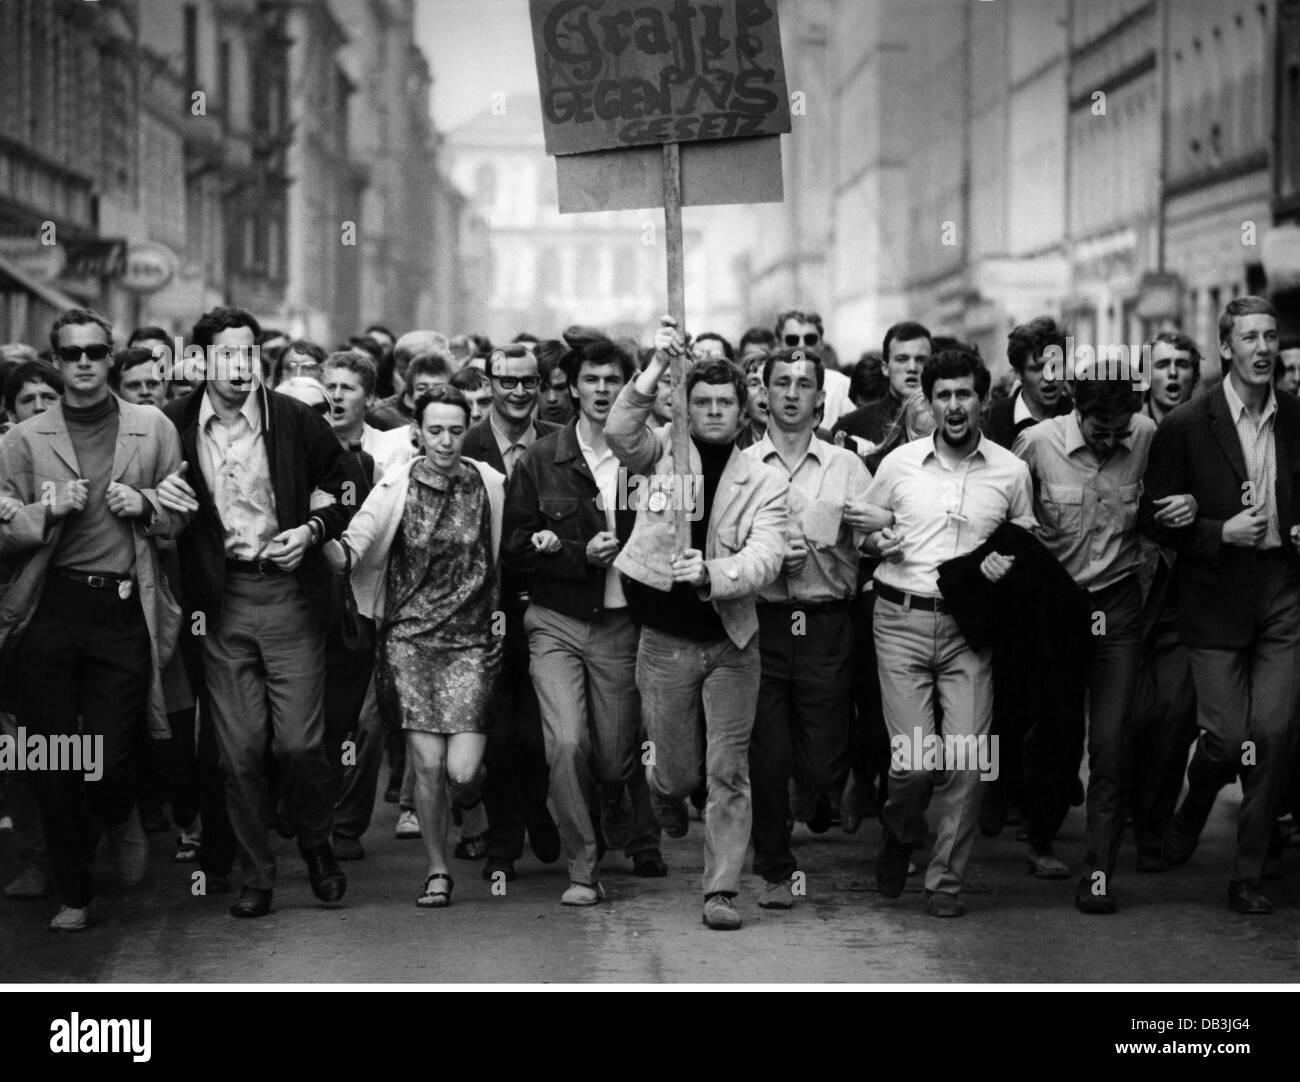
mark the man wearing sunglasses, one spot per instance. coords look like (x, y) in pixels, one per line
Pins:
(803, 330)
(89, 622)
(515, 790)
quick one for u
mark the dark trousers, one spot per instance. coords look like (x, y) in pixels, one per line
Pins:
(265, 672)
(86, 655)
(356, 800)
(801, 721)
(1097, 702)
(515, 786)
(1246, 703)
(347, 679)
(1164, 729)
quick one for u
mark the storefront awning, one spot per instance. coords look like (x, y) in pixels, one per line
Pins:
(53, 297)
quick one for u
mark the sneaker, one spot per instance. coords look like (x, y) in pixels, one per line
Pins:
(31, 886)
(71, 919)
(583, 894)
(671, 815)
(130, 848)
(720, 914)
(347, 848)
(778, 895)
(408, 826)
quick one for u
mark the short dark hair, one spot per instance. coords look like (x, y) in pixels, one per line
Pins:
(146, 333)
(430, 363)
(1108, 394)
(578, 335)
(602, 351)
(867, 381)
(905, 331)
(1288, 341)
(759, 336)
(30, 372)
(367, 345)
(354, 361)
(1184, 343)
(802, 317)
(954, 364)
(1248, 305)
(223, 318)
(73, 317)
(718, 372)
(525, 337)
(382, 330)
(444, 394)
(306, 347)
(713, 336)
(124, 359)
(549, 355)
(469, 379)
(795, 356)
(1030, 340)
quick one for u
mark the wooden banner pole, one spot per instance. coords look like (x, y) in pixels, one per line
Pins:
(677, 309)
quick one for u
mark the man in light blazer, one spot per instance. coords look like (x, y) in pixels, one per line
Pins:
(698, 660)
(89, 622)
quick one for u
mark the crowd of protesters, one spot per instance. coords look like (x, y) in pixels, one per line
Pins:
(260, 575)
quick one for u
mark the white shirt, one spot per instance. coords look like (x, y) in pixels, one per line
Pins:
(1260, 452)
(945, 511)
(605, 470)
(232, 456)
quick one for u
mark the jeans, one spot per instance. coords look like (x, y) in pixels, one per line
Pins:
(923, 656)
(690, 689)
(584, 673)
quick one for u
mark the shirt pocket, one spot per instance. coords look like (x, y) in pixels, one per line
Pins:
(557, 509)
(729, 542)
(1062, 507)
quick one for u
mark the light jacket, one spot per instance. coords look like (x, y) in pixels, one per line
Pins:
(745, 543)
(37, 455)
(371, 532)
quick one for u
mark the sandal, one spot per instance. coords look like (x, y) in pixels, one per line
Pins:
(436, 899)
(472, 847)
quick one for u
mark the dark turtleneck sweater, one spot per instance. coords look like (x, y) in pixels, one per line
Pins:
(680, 611)
(95, 539)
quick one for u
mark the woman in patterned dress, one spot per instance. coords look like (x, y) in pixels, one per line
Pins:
(423, 554)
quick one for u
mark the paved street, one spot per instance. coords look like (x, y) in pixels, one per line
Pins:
(1171, 928)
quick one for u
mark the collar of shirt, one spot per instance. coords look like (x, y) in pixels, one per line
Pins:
(1019, 411)
(1074, 440)
(504, 444)
(1237, 407)
(588, 451)
(766, 449)
(932, 448)
(251, 411)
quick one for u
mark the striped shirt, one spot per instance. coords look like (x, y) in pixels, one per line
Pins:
(1259, 449)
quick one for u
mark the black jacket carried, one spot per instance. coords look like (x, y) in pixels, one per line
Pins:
(1037, 619)
(303, 454)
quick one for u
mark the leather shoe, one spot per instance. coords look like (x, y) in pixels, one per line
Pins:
(939, 904)
(1246, 897)
(891, 866)
(1085, 901)
(1046, 866)
(327, 879)
(649, 864)
(1185, 831)
(671, 815)
(1152, 862)
(497, 864)
(252, 903)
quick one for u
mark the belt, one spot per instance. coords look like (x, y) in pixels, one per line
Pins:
(912, 601)
(811, 608)
(123, 584)
(253, 567)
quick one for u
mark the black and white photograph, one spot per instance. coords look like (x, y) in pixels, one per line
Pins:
(615, 494)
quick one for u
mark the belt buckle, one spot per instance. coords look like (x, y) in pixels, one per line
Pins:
(262, 567)
(97, 582)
